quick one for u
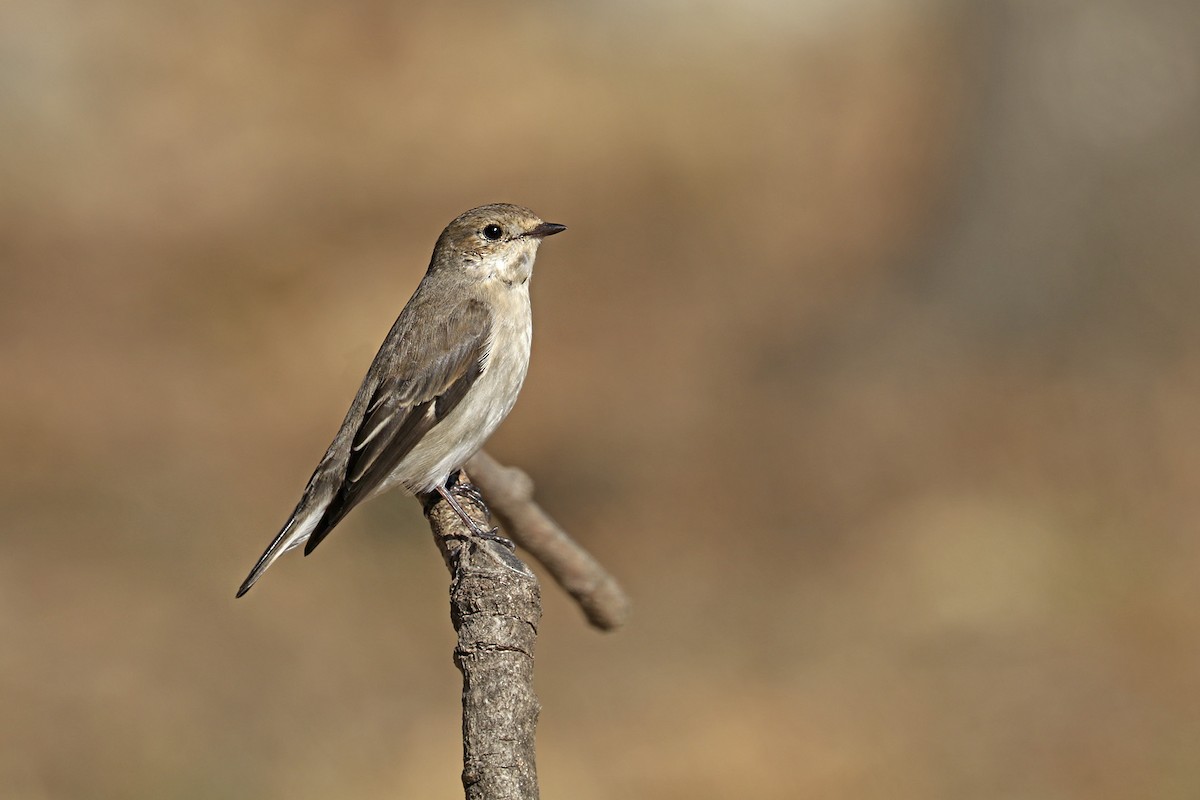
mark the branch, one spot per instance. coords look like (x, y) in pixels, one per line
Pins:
(495, 605)
(509, 491)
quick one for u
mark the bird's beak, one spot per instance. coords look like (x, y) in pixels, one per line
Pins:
(546, 229)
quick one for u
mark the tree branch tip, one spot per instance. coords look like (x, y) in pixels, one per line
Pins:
(522, 483)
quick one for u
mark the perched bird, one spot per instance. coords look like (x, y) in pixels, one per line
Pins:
(446, 375)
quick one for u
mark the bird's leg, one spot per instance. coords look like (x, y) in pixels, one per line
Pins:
(448, 496)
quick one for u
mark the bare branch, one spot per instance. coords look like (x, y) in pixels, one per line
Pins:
(509, 491)
(495, 605)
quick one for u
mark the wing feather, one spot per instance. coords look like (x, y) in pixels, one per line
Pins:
(424, 369)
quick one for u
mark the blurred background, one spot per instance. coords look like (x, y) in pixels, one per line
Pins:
(869, 364)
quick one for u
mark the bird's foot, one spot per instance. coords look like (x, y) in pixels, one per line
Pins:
(494, 536)
(470, 492)
(467, 490)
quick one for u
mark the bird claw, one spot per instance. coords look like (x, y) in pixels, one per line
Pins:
(455, 487)
(468, 491)
(494, 536)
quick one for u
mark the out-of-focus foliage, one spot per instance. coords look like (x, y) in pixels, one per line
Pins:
(869, 363)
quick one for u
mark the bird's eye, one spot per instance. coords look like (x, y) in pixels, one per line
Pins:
(492, 232)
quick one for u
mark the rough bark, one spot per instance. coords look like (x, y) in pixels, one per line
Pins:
(495, 605)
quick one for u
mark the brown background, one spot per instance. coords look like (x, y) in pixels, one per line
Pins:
(869, 363)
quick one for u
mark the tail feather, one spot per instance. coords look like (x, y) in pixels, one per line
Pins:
(294, 533)
(332, 516)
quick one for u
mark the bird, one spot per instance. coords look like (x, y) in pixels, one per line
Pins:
(448, 372)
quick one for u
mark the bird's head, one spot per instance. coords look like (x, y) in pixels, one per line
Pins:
(493, 242)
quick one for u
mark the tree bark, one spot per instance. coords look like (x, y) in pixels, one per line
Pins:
(495, 605)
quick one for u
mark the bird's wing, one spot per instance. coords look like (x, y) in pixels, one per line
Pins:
(424, 370)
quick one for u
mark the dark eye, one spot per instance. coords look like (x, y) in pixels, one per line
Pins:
(492, 232)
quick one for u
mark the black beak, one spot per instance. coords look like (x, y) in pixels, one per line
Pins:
(546, 229)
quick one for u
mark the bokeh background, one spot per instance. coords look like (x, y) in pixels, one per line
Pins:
(870, 365)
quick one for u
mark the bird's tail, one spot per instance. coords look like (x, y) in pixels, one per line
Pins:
(295, 533)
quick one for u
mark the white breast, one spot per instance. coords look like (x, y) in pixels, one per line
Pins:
(457, 437)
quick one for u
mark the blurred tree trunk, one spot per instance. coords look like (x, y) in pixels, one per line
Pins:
(1080, 164)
